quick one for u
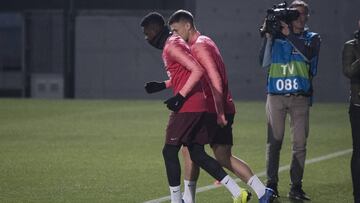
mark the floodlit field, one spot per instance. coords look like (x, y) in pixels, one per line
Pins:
(110, 151)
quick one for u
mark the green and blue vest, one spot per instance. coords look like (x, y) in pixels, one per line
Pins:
(290, 71)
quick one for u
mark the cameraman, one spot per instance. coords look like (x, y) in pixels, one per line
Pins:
(291, 57)
(351, 69)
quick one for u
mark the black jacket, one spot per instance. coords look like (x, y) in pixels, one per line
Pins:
(351, 68)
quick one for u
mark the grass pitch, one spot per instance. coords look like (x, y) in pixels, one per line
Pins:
(110, 151)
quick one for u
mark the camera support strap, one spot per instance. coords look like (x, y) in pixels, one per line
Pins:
(305, 58)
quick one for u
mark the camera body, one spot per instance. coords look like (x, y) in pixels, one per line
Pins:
(276, 14)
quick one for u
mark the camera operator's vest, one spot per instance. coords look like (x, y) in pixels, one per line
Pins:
(290, 72)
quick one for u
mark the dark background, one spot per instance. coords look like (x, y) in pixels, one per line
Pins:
(96, 49)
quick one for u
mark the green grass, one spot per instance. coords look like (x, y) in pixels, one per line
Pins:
(110, 151)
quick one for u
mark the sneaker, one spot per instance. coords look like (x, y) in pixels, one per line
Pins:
(297, 193)
(244, 197)
(274, 188)
(268, 196)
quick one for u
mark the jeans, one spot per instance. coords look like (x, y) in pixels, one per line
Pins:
(277, 107)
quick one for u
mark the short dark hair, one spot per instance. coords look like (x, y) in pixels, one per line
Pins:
(153, 18)
(181, 15)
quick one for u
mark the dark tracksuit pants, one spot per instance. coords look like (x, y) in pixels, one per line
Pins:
(354, 113)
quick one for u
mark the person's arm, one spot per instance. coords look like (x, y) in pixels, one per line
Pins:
(168, 83)
(313, 53)
(203, 56)
(309, 51)
(182, 56)
(297, 43)
(265, 51)
(350, 64)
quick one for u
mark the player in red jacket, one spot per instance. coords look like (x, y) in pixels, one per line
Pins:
(187, 123)
(219, 102)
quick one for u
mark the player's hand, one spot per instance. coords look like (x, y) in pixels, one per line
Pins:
(221, 120)
(175, 103)
(154, 86)
(285, 28)
(263, 32)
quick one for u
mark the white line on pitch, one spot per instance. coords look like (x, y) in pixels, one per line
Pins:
(261, 174)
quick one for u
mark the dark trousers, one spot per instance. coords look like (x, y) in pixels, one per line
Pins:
(354, 113)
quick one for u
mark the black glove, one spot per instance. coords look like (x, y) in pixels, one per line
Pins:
(154, 86)
(175, 103)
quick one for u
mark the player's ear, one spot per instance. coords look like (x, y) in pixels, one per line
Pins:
(187, 26)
